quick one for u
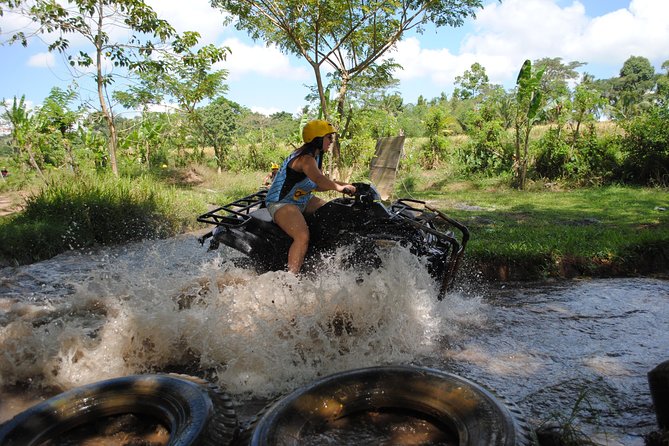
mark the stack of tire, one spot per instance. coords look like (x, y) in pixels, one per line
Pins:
(196, 413)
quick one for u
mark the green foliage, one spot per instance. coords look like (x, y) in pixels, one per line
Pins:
(436, 124)
(488, 150)
(472, 83)
(72, 213)
(663, 86)
(631, 93)
(90, 145)
(256, 151)
(646, 148)
(357, 153)
(587, 160)
(412, 119)
(556, 158)
(557, 76)
(6, 149)
(600, 158)
(374, 123)
(219, 121)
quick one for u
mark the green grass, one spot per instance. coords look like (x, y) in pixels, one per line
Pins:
(75, 212)
(525, 235)
(536, 234)
(72, 212)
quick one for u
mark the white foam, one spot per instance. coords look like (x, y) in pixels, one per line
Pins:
(151, 305)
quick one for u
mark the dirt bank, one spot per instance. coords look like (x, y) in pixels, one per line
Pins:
(10, 202)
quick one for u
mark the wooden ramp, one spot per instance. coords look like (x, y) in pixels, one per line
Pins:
(383, 168)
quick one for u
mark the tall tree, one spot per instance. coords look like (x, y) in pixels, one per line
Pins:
(633, 88)
(587, 102)
(557, 75)
(220, 120)
(98, 23)
(57, 121)
(472, 83)
(350, 37)
(184, 79)
(663, 85)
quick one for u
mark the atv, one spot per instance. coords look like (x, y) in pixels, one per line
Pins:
(362, 222)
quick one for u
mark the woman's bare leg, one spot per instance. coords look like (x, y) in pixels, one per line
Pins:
(290, 219)
(313, 204)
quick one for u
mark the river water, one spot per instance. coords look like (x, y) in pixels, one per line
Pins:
(574, 353)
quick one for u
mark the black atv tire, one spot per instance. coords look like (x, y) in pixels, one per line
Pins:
(467, 409)
(192, 410)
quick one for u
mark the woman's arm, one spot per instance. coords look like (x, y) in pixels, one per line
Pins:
(308, 165)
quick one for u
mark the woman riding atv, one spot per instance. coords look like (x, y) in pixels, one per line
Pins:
(290, 195)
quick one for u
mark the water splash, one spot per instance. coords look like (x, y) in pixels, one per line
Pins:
(157, 305)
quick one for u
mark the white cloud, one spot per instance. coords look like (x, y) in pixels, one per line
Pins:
(440, 66)
(12, 22)
(640, 30)
(507, 33)
(267, 111)
(194, 15)
(266, 61)
(42, 60)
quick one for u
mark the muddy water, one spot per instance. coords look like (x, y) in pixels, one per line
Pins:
(581, 347)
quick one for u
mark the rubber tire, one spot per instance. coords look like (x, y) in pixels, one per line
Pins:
(474, 413)
(193, 411)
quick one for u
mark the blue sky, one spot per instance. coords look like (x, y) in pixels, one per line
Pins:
(603, 33)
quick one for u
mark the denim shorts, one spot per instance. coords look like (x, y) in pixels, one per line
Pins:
(276, 205)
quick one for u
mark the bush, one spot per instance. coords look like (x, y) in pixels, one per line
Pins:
(81, 212)
(646, 148)
(589, 159)
(487, 150)
(555, 158)
(600, 158)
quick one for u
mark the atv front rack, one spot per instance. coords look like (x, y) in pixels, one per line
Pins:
(421, 219)
(236, 213)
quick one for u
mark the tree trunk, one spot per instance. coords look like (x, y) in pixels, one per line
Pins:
(33, 162)
(73, 162)
(516, 161)
(321, 91)
(106, 112)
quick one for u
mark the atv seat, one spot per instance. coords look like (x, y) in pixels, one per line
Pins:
(262, 214)
(261, 221)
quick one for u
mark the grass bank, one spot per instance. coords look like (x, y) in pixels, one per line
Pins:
(68, 213)
(91, 210)
(550, 232)
(539, 233)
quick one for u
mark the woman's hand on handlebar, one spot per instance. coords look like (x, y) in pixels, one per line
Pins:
(347, 189)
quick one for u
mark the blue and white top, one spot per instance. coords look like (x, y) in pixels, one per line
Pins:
(291, 186)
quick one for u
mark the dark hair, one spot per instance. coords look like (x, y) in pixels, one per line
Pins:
(311, 147)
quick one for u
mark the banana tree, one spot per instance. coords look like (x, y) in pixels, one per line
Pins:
(528, 104)
(24, 133)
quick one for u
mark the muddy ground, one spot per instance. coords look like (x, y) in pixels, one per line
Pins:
(10, 202)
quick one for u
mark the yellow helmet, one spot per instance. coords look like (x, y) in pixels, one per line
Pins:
(316, 128)
(275, 166)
